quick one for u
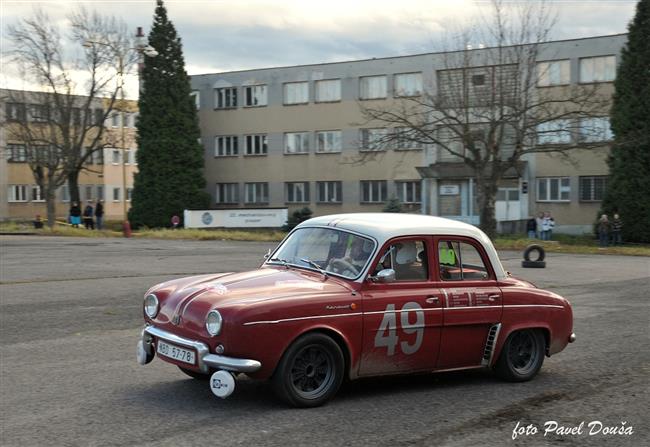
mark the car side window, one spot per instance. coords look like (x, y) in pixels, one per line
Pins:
(408, 259)
(460, 261)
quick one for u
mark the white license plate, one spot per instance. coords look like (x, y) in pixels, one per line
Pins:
(176, 353)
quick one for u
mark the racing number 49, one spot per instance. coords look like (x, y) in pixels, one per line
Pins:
(386, 336)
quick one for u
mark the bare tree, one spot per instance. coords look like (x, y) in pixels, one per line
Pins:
(62, 126)
(487, 110)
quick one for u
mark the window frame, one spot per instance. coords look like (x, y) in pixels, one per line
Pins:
(396, 90)
(249, 91)
(366, 145)
(592, 188)
(325, 133)
(263, 145)
(548, 198)
(227, 185)
(225, 90)
(593, 80)
(301, 101)
(490, 280)
(306, 192)
(338, 191)
(232, 147)
(370, 98)
(382, 191)
(264, 193)
(402, 185)
(545, 74)
(304, 138)
(23, 197)
(317, 96)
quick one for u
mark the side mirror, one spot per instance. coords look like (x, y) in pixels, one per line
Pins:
(384, 276)
(267, 255)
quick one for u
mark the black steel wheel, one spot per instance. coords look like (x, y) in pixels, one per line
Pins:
(310, 372)
(522, 356)
(195, 374)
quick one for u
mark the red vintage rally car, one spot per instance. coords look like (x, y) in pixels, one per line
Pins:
(357, 295)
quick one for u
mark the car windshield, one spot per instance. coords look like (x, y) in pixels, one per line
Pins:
(325, 249)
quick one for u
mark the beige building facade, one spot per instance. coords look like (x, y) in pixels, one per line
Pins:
(101, 178)
(296, 136)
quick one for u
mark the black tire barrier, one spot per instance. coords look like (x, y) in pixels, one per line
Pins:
(534, 247)
(533, 264)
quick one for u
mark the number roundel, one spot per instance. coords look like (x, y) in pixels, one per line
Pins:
(386, 336)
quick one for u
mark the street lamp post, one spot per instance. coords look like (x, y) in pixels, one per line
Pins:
(141, 49)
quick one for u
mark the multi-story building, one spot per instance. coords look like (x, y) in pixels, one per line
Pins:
(101, 178)
(295, 136)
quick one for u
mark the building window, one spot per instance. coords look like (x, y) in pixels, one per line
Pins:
(225, 98)
(328, 90)
(408, 84)
(100, 192)
(115, 119)
(373, 139)
(598, 69)
(227, 193)
(409, 192)
(98, 117)
(553, 189)
(554, 132)
(373, 191)
(17, 153)
(129, 194)
(404, 139)
(329, 192)
(76, 116)
(328, 141)
(297, 192)
(256, 145)
(15, 111)
(132, 157)
(553, 73)
(36, 194)
(196, 99)
(296, 143)
(592, 189)
(296, 93)
(595, 129)
(89, 192)
(38, 113)
(255, 96)
(226, 146)
(478, 80)
(257, 192)
(65, 193)
(17, 193)
(372, 87)
(116, 194)
(116, 156)
(99, 156)
(127, 156)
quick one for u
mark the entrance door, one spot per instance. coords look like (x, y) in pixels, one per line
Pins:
(507, 205)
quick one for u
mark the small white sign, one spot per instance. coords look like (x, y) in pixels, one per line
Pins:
(449, 190)
(243, 218)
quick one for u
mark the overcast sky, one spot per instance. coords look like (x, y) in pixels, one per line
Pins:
(224, 35)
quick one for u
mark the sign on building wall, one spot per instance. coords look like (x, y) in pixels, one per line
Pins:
(449, 190)
(244, 218)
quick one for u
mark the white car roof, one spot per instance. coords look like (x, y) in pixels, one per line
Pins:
(385, 226)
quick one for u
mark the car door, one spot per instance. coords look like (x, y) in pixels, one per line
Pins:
(472, 300)
(402, 319)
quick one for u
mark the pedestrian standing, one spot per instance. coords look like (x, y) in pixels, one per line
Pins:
(531, 228)
(617, 226)
(88, 216)
(548, 223)
(603, 230)
(99, 214)
(75, 215)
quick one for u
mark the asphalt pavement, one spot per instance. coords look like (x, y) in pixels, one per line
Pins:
(71, 314)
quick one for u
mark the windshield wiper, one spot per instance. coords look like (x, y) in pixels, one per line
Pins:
(316, 266)
(284, 262)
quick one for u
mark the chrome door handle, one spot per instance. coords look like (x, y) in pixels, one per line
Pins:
(432, 299)
(493, 297)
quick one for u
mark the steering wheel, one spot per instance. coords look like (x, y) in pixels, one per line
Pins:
(341, 265)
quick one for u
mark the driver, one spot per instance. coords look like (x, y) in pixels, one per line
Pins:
(357, 255)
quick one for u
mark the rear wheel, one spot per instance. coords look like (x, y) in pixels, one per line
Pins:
(195, 374)
(522, 356)
(310, 372)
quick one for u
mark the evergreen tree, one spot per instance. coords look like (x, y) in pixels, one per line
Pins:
(628, 189)
(393, 206)
(170, 158)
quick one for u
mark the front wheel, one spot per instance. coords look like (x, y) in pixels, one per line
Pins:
(310, 372)
(522, 356)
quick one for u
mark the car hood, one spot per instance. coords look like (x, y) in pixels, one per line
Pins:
(192, 298)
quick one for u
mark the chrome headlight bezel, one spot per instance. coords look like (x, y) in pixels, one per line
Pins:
(213, 323)
(151, 305)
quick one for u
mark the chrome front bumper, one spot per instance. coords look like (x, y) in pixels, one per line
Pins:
(204, 359)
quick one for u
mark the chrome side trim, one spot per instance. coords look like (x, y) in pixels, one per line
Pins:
(311, 317)
(472, 307)
(461, 368)
(204, 359)
(534, 305)
(490, 343)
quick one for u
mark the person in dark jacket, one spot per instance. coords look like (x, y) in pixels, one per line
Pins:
(531, 228)
(99, 214)
(617, 226)
(603, 230)
(88, 217)
(75, 215)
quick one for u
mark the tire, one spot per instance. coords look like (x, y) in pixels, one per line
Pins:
(522, 356)
(195, 374)
(534, 247)
(533, 264)
(310, 371)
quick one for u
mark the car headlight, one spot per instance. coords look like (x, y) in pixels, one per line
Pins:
(151, 305)
(213, 322)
